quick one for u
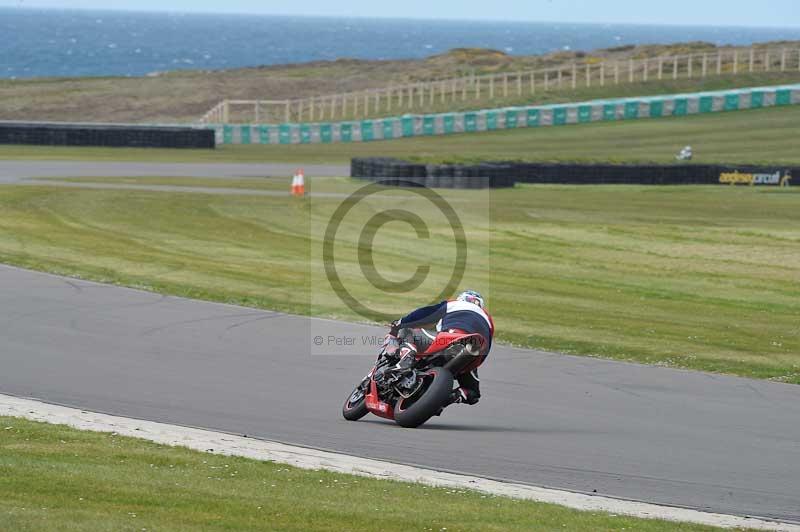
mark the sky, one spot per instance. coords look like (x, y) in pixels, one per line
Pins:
(687, 12)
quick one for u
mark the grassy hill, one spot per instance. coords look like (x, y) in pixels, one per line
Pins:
(185, 96)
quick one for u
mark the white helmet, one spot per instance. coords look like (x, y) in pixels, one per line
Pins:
(471, 296)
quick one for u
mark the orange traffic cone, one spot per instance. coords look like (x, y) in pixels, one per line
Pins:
(301, 183)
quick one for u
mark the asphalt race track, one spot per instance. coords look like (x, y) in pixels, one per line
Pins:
(660, 435)
(16, 171)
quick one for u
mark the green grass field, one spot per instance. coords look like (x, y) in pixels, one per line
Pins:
(56, 478)
(695, 277)
(764, 135)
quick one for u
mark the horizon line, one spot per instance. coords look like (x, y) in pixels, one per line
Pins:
(385, 17)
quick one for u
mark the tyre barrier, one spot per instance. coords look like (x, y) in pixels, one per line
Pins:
(128, 136)
(507, 174)
(389, 171)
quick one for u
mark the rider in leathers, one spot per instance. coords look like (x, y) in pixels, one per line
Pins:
(465, 314)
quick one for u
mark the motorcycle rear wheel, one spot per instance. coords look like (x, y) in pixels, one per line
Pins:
(427, 401)
(354, 407)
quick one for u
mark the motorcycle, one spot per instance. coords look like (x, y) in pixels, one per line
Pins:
(412, 396)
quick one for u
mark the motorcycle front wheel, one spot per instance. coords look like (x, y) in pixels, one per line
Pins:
(356, 405)
(430, 397)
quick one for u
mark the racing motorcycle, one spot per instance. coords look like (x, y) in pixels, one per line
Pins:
(412, 396)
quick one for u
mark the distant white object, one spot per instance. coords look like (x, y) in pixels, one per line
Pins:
(685, 154)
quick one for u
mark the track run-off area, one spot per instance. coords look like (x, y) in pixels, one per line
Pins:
(673, 437)
(709, 442)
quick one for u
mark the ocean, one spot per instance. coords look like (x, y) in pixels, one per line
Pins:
(69, 43)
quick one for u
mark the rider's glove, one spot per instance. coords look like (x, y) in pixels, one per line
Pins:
(394, 327)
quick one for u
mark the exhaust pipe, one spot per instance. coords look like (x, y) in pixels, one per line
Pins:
(463, 359)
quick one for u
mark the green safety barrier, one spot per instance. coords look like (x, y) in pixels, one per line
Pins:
(449, 124)
(388, 128)
(470, 122)
(491, 120)
(706, 104)
(533, 117)
(656, 108)
(285, 134)
(511, 118)
(305, 134)
(367, 134)
(326, 133)
(227, 134)
(408, 126)
(263, 134)
(428, 125)
(244, 134)
(346, 132)
(632, 109)
(559, 116)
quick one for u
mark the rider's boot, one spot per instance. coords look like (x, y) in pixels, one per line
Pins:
(463, 396)
(408, 355)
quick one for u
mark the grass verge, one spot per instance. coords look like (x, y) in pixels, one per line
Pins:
(696, 277)
(745, 137)
(58, 478)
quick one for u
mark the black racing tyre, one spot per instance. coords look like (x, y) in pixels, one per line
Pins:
(426, 403)
(355, 407)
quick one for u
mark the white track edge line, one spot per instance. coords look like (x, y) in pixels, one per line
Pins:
(305, 458)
